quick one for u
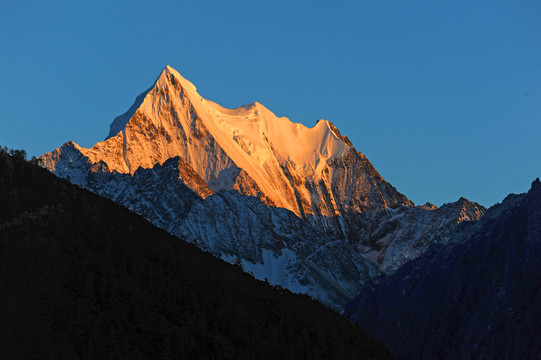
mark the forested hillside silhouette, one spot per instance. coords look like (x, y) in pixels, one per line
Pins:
(84, 278)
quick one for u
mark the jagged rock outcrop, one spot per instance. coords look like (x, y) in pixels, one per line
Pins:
(163, 194)
(275, 245)
(392, 237)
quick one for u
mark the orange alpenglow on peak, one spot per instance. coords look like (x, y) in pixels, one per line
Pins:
(248, 149)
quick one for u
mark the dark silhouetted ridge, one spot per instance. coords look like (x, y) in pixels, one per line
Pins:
(477, 298)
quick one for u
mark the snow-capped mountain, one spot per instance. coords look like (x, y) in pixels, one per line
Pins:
(248, 149)
(311, 203)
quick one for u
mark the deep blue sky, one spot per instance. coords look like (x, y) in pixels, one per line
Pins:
(444, 97)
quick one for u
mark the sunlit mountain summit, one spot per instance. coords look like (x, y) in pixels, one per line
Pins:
(248, 149)
(298, 206)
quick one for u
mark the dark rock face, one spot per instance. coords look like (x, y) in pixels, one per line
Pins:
(84, 278)
(478, 297)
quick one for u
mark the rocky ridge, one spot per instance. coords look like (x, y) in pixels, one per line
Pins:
(478, 297)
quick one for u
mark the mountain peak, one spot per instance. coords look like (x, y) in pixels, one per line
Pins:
(334, 129)
(429, 206)
(248, 148)
(174, 76)
(168, 77)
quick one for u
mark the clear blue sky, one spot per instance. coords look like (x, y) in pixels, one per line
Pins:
(444, 97)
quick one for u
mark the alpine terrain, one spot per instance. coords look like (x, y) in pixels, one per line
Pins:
(298, 206)
(479, 297)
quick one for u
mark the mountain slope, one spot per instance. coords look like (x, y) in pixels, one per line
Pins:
(271, 243)
(275, 245)
(392, 237)
(82, 277)
(479, 297)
